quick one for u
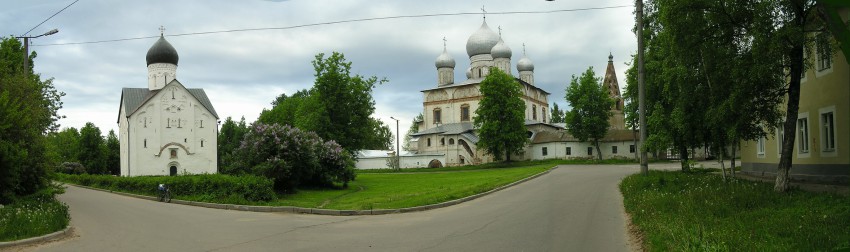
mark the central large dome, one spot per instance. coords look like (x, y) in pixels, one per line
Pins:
(482, 41)
(162, 52)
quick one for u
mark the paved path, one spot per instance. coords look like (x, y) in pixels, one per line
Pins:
(574, 208)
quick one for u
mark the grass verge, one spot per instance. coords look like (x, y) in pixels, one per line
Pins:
(401, 190)
(698, 211)
(31, 216)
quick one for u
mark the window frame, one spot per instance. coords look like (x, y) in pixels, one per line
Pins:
(545, 151)
(828, 132)
(464, 113)
(803, 145)
(437, 116)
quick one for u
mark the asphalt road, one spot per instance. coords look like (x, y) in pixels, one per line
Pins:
(573, 208)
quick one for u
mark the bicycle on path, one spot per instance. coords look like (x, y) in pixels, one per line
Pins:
(164, 193)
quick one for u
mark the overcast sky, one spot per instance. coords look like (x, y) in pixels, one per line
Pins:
(242, 72)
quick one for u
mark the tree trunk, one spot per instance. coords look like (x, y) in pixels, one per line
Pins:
(733, 157)
(783, 178)
(598, 152)
(722, 165)
(683, 156)
(507, 155)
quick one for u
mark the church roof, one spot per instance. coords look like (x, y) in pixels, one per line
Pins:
(133, 98)
(447, 129)
(564, 136)
(479, 80)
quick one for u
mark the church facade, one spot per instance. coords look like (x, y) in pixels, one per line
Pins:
(166, 128)
(447, 128)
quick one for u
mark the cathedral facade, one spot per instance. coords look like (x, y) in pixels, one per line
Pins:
(166, 128)
(447, 128)
(449, 107)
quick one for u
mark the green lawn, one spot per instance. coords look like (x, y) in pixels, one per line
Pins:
(698, 211)
(400, 190)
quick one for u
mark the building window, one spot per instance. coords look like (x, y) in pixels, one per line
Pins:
(824, 51)
(202, 143)
(533, 112)
(780, 131)
(543, 113)
(464, 113)
(614, 149)
(146, 122)
(168, 123)
(828, 131)
(173, 153)
(185, 140)
(202, 123)
(146, 143)
(178, 123)
(545, 151)
(632, 148)
(569, 151)
(443, 141)
(760, 147)
(803, 127)
(590, 151)
(437, 116)
(451, 141)
(429, 142)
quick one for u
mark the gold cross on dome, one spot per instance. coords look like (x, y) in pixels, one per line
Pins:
(483, 12)
(444, 41)
(161, 30)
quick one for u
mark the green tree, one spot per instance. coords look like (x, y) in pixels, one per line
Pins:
(591, 108)
(414, 128)
(289, 110)
(557, 114)
(64, 145)
(28, 111)
(500, 117)
(382, 137)
(230, 137)
(343, 102)
(91, 149)
(113, 153)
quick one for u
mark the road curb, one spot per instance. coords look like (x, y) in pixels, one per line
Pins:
(332, 212)
(48, 237)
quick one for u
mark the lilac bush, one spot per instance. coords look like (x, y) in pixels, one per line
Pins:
(291, 157)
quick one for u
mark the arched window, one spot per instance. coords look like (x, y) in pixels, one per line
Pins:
(533, 112)
(442, 141)
(464, 113)
(543, 112)
(429, 142)
(437, 116)
(451, 141)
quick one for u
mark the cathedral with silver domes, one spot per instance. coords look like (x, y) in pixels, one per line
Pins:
(447, 131)
(166, 128)
(447, 127)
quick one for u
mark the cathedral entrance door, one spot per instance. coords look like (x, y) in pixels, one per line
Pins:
(172, 171)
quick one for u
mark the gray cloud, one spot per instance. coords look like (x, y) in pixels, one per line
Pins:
(242, 72)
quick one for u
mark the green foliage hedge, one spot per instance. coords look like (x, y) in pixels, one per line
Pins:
(216, 188)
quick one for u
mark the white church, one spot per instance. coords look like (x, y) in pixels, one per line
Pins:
(166, 128)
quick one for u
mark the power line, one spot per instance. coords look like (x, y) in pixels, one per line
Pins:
(341, 22)
(54, 14)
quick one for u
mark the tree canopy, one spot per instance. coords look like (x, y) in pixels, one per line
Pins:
(500, 117)
(591, 108)
(338, 107)
(28, 111)
(557, 114)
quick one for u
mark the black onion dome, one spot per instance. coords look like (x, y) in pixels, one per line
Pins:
(162, 52)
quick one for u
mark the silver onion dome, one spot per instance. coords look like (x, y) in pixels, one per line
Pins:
(445, 60)
(500, 50)
(524, 64)
(482, 41)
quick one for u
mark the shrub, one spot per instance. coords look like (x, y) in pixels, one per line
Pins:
(205, 187)
(71, 168)
(291, 157)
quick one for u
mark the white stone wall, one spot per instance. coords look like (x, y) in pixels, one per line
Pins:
(160, 74)
(173, 120)
(417, 161)
(579, 150)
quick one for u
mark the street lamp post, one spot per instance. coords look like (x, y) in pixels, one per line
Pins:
(644, 164)
(397, 145)
(27, 46)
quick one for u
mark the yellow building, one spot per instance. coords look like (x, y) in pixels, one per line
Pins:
(822, 148)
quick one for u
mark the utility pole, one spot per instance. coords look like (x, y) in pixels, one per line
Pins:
(27, 47)
(644, 164)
